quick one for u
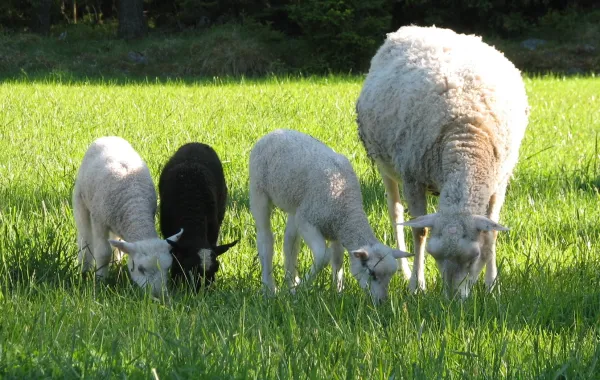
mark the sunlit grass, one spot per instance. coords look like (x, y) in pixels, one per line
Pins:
(543, 321)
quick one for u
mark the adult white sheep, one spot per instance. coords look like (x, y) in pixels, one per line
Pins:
(114, 193)
(319, 191)
(444, 112)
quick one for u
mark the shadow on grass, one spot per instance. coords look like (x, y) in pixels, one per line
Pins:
(150, 79)
(126, 79)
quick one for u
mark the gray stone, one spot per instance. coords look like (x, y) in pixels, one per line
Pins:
(588, 48)
(137, 57)
(533, 43)
(575, 71)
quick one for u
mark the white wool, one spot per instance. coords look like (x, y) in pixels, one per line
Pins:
(114, 194)
(444, 112)
(320, 192)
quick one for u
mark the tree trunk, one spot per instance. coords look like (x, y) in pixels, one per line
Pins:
(40, 22)
(132, 23)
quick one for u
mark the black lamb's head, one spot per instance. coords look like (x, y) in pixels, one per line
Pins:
(196, 267)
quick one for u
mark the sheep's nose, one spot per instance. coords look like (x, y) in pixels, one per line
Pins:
(160, 292)
(378, 299)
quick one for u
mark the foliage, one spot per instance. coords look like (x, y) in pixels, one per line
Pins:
(235, 49)
(326, 35)
(342, 33)
(542, 322)
(507, 18)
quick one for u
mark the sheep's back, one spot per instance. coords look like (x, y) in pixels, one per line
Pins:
(423, 79)
(192, 190)
(298, 171)
(115, 183)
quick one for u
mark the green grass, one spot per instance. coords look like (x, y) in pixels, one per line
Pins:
(543, 323)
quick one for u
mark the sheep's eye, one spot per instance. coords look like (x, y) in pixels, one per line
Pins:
(371, 273)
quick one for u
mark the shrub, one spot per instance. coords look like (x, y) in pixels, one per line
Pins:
(343, 33)
(235, 49)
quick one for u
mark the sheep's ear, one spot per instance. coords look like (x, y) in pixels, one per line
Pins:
(361, 254)
(485, 224)
(172, 243)
(221, 249)
(398, 254)
(173, 239)
(122, 245)
(423, 221)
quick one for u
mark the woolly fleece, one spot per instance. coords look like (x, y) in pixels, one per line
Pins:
(444, 112)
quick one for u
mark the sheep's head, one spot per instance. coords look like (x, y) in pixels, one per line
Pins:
(455, 242)
(149, 262)
(197, 266)
(373, 267)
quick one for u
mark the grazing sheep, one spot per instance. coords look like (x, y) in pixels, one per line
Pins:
(193, 195)
(319, 191)
(444, 112)
(114, 193)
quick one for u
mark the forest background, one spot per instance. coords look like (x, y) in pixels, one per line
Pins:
(199, 38)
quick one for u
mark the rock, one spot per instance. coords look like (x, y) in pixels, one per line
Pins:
(574, 71)
(203, 22)
(533, 43)
(137, 57)
(588, 48)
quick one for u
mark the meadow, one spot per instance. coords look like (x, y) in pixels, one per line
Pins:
(542, 321)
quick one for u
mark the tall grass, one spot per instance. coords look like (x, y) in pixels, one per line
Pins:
(542, 322)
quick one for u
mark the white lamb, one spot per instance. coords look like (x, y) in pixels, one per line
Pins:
(114, 193)
(444, 112)
(319, 191)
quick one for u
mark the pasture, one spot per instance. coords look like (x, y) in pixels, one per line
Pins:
(542, 322)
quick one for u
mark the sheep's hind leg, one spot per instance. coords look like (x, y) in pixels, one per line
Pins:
(317, 244)
(260, 207)
(85, 238)
(102, 249)
(415, 196)
(337, 261)
(396, 214)
(291, 248)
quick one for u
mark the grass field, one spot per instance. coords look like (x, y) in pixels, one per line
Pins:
(544, 322)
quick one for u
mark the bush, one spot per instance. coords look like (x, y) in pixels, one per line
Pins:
(342, 33)
(236, 49)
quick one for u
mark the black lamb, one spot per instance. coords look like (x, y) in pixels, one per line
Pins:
(193, 194)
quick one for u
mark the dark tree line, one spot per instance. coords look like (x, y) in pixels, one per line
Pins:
(39, 15)
(343, 33)
(502, 16)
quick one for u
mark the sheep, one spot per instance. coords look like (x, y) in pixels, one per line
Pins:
(114, 194)
(320, 193)
(446, 113)
(193, 195)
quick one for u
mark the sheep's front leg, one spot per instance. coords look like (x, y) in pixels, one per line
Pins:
(260, 207)
(415, 197)
(102, 249)
(488, 250)
(316, 242)
(85, 237)
(396, 214)
(337, 262)
(291, 248)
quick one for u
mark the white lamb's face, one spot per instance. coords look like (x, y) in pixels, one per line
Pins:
(148, 263)
(373, 268)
